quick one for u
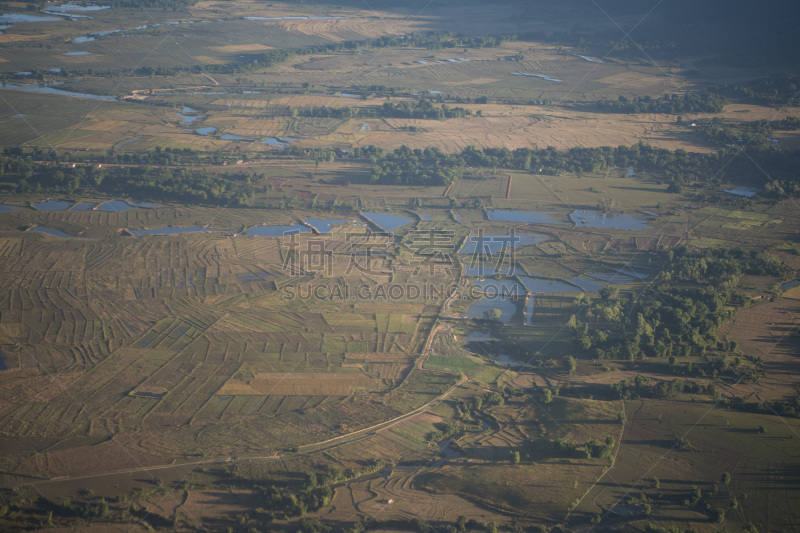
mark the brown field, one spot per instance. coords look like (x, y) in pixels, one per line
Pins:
(371, 498)
(298, 384)
(768, 331)
(722, 441)
(506, 126)
(217, 361)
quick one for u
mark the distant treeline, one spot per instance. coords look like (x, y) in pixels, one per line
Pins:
(418, 167)
(403, 166)
(758, 133)
(422, 109)
(144, 181)
(779, 90)
(702, 102)
(270, 58)
(679, 168)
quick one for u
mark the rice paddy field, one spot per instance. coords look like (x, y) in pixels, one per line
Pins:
(193, 348)
(331, 349)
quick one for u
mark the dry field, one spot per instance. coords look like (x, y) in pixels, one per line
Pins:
(769, 331)
(721, 441)
(104, 125)
(142, 348)
(256, 359)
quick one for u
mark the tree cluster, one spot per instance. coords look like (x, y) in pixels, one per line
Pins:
(696, 292)
(778, 89)
(420, 109)
(700, 102)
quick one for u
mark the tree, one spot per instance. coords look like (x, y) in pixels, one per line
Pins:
(547, 396)
(495, 314)
(717, 515)
(570, 364)
(622, 418)
(609, 292)
(102, 510)
(513, 457)
(726, 478)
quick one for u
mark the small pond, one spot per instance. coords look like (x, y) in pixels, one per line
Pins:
(280, 142)
(188, 119)
(277, 231)
(69, 8)
(747, 192)
(14, 18)
(790, 284)
(540, 76)
(489, 268)
(52, 205)
(490, 244)
(589, 218)
(232, 137)
(387, 222)
(114, 206)
(527, 217)
(508, 287)
(52, 90)
(588, 284)
(504, 303)
(542, 285)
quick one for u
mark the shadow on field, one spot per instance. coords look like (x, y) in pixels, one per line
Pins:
(659, 443)
(645, 189)
(775, 477)
(595, 421)
(671, 481)
(746, 431)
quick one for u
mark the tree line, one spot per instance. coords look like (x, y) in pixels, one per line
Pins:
(677, 168)
(699, 102)
(774, 170)
(778, 89)
(420, 109)
(757, 133)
